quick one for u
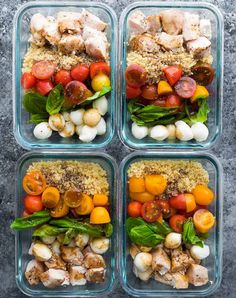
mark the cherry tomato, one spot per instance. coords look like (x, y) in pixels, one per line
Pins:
(80, 72)
(134, 209)
(178, 202)
(132, 92)
(28, 81)
(99, 81)
(173, 101)
(190, 202)
(34, 183)
(43, 70)
(165, 206)
(173, 74)
(203, 74)
(44, 87)
(190, 214)
(185, 87)
(75, 92)
(150, 211)
(99, 67)
(135, 75)
(63, 77)
(149, 92)
(203, 194)
(176, 222)
(203, 220)
(25, 213)
(160, 102)
(33, 203)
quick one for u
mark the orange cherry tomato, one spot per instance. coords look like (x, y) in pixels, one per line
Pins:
(141, 197)
(190, 202)
(100, 200)
(99, 215)
(155, 184)
(134, 209)
(176, 222)
(86, 206)
(73, 198)
(60, 210)
(136, 184)
(203, 195)
(33, 203)
(203, 220)
(34, 183)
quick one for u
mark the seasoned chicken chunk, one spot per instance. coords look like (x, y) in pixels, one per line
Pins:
(180, 261)
(71, 43)
(56, 262)
(199, 47)
(96, 275)
(50, 31)
(176, 280)
(72, 255)
(69, 22)
(153, 24)
(172, 21)
(87, 250)
(33, 270)
(205, 28)
(144, 43)
(89, 32)
(53, 278)
(137, 22)
(170, 42)
(92, 260)
(37, 25)
(191, 26)
(96, 48)
(160, 261)
(134, 250)
(164, 279)
(77, 275)
(197, 275)
(90, 20)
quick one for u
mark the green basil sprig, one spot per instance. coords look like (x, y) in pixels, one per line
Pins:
(189, 233)
(31, 221)
(55, 100)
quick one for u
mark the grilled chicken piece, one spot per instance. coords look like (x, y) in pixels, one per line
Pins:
(71, 43)
(92, 260)
(89, 32)
(205, 28)
(176, 280)
(56, 262)
(199, 47)
(96, 275)
(37, 25)
(90, 20)
(137, 22)
(96, 47)
(33, 270)
(69, 22)
(160, 261)
(191, 26)
(180, 261)
(50, 31)
(53, 278)
(170, 42)
(153, 24)
(72, 255)
(144, 43)
(197, 275)
(77, 275)
(87, 250)
(172, 21)
(134, 250)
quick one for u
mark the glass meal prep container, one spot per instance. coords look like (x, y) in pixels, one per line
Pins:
(136, 287)
(206, 10)
(23, 131)
(24, 238)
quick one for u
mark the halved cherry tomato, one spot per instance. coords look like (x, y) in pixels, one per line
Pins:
(190, 214)
(80, 72)
(178, 202)
(190, 202)
(75, 92)
(173, 74)
(141, 196)
(99, 81)
(60, 210)
(28, 81)
(165, 206)
(203, 73)
(73, 198)
(155, 184)
(136, 184)
(173, 101)
(185, 87)
(134, 209)
(33, 203)
(63, 77)
(203, 220)
(203, 195)
(149, 92)
(99, 67)
(176, 222)
(132, 92)
(43, 70)
(150, 211)
(86, 206)
(34, 183)
(160, 102)
(135, 75)
(44, 87)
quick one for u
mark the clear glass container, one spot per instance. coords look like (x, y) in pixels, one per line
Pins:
(24, 238)
(22, 130)
(205, 10)
(134, 286)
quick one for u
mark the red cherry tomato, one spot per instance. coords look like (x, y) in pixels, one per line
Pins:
(43, 70)
(99, 67)
(176, 222)
(185, 87)
(173, 74)
(33, 203)
(76, 92)
(80, 72)
(173, 101)
(134, 209)
(149, 92)
(25, 213)
(190, 214)
(160, 102)
(135, 75)
(63, 77)
(165, 207)
(28, 81)
(44, 87)
(178, 202)
(132, 92)
(150, 211)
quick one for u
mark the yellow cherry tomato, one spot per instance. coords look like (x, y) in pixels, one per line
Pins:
(86, 205)
(136, 184)
(99, 81)
(141, 197)
(203, 220)
(99, 215)
(203, 195)
(100, 200)
(73, 198)
(155, 184)
(190, 202)
(60, 210)
(50, 197)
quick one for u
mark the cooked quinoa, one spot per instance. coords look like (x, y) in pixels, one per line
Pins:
(182, 176)
(87, 177)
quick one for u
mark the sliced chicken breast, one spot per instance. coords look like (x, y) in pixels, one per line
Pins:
(77, 275)
(170, 42)
(197, 275)
(172, 21)
(191, 29)
(71, 43)
(176, 280)
(56, 262)
(96, 47)
(90, 20)
(92, 260)
(89, 32)
(199, 47)
(153, 24)
(160, 261)
(137, 22)
(37, 24)
(53, 278)
(50, 31)
(144, 43)
(96, 275)
(180, 261)
(33, 270)
(72, 255)
(205, 28)
(69, 22)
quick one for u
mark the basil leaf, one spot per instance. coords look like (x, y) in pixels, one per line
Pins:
(201, 115)
(47, 230)
(162, 229)
(69, 235)
(55, 100)
(143, 235)
(31, 221)
(34, 103)
(189, 234)
(108, 230)
(38, 118)
(96, 95)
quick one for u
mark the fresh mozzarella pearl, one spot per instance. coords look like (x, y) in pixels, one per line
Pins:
(77, 116)
(159, 133)
(101, 127)
(139, 132)
(173, 240)
(68, 130)
(87, 133)
(42, 131)
(48, 239)
(200, 253)
(81, 240)
(183, 131)
(200, 131)
(66, 116)
(171, 130)
(143, 261)
(100, 245)
(101, 104)
(78, 129)
(91, 117)
(57, 122)
(145, 276)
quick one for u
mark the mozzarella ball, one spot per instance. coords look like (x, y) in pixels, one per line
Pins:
(42, 252)
(78, 129)
(200, 253)
(68, 130)
(200, 131)
(42, 131)
(183, 131)
(139, 132)
(57, 122)
(91, 117)
(87, 133)
(66, 116)
(56, 247)
(77, 116)
(171, 130)
(145, 276)
(101, 104)
(81, 240)
(48, 239)
(143, 261)
(159, 133)
(101, 127)
(100, 245)
(173, 240)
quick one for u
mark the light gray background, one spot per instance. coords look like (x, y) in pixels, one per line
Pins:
(225, 150)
